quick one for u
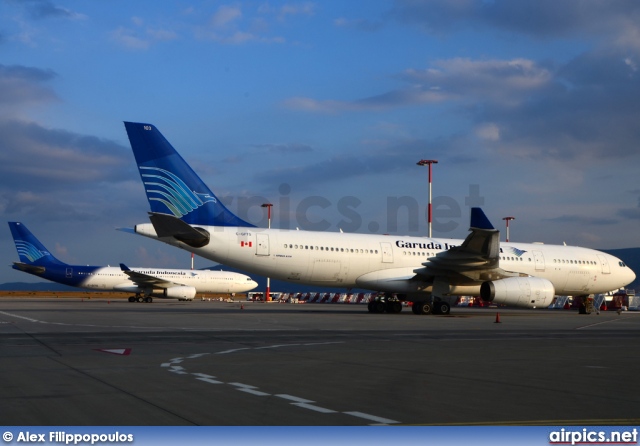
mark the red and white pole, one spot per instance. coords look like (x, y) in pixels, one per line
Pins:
(508, 219)
(429, 206)
(267, 296)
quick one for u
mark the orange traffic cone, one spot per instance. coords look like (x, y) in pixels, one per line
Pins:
(497, 318)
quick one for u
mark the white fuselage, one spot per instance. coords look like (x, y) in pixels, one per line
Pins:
(204, 281)
(386, 263)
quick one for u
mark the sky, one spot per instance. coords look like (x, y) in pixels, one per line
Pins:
(531, 108)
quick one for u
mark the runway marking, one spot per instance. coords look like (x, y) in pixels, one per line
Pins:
(178, 370)
(314, 408)
(232, 351)
(253, 390)
(366, 416)
(598, 323)
(249, 389)
(293, 398)
(277, 346)
(19, 317)
(207, 378)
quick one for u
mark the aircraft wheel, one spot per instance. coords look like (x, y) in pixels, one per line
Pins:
(394, 307)
(139, 299)
(370, 307)
(132, 298)
(148, 299)
(414, 308)
(445, 308)
(424, 307)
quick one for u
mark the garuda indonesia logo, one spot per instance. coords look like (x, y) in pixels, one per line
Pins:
(29, 251)
(515, 251)
(168, 189)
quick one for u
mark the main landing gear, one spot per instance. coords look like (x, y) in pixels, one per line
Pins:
(427, 307)
(386, 302)
(140, 298)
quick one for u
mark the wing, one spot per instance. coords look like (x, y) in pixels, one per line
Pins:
(477, 259)
(147, 281)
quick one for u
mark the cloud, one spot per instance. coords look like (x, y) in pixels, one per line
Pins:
(225, 15)
(364, 25)
(294, 9)
(581, 220)
(541, 19)
(35, 158)
(235, 24)
(44, 9)
(459, 79)
(586, 113)
(631, 213)
(20, 85)
(141, 37)
(284, 148)
(384, 159)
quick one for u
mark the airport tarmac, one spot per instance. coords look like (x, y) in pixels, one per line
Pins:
(111, 362)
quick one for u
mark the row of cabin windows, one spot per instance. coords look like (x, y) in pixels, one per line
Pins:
(325, 248)
(515, 259)
(418, 253)
(575, 262)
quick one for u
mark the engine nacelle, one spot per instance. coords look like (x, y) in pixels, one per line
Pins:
(528, 292)
(180, 292)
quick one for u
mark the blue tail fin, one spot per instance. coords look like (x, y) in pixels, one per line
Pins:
(171, 185)
(30, 250)
(479, 220)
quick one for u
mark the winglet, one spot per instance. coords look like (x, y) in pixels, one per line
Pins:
(479, 220)
(124, 267)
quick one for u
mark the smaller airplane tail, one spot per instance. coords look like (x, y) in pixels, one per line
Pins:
(30, 250)
(172, 187)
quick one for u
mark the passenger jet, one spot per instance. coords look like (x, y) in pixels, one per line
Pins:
(430, 272)
(145, 283)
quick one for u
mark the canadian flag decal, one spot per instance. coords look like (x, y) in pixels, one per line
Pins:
(243, 244)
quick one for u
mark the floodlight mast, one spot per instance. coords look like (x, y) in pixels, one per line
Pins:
(429, 210)
(508, 219)
(267, 295)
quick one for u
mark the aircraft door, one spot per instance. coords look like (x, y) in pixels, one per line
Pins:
(262, 244)
(538, 257)
(604, 264)
(387, 252)
(69, 273)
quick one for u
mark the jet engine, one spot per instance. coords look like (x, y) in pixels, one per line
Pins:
(180, 292)
(528, 292)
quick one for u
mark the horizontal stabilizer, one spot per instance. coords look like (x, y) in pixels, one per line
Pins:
(33, 269)
(169, 226)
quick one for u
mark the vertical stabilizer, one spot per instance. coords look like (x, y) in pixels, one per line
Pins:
(30, 250)
(172, 187)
